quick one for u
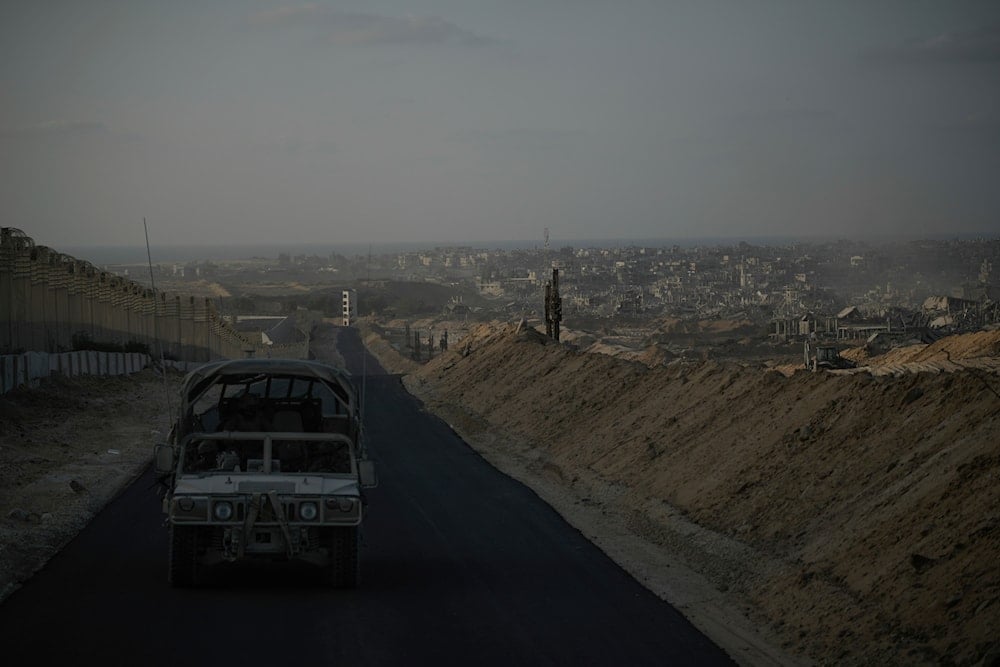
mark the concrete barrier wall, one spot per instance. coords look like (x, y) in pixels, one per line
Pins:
(29, 368)
(17, 370)
(48, 298)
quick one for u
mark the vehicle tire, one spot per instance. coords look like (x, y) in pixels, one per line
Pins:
(344, 568)
(183, 572)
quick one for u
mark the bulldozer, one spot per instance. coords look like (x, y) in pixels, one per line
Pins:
(824, 357)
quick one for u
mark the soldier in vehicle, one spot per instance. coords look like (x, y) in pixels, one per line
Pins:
(206, 455)
(210, 455)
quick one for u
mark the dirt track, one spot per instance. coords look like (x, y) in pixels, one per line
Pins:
(854, 518)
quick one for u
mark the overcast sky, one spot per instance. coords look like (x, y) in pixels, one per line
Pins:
(456, 121)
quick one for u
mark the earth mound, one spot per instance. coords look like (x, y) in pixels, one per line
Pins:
(859, 511)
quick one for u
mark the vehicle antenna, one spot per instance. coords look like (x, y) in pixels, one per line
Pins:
(156, 323)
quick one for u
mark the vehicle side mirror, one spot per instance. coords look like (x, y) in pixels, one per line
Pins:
(366, 470)
(164, 457)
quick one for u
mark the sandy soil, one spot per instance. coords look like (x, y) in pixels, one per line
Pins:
(849, 518)
(66, 449)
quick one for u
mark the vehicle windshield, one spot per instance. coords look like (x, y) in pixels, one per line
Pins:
(208, 455)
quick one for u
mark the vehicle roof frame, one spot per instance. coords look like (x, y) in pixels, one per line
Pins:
(199, 380)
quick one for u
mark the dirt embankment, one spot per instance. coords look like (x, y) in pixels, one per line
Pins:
(855, 519)
(979, 345)
(390, 357)
(66, 449)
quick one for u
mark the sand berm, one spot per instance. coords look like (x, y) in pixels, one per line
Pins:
(829, 518)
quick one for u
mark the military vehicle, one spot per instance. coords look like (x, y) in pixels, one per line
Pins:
(265, 462)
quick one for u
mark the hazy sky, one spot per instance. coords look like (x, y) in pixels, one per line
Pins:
(462, 121)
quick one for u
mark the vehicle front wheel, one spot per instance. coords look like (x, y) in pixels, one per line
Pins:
(183, 570)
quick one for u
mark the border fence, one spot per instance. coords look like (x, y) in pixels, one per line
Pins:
(49, 299)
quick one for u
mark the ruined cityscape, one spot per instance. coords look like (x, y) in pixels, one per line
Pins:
(850, 292)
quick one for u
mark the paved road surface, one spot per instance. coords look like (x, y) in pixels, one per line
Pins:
(461, 565)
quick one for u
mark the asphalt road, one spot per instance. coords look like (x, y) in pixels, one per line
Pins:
(461, 565)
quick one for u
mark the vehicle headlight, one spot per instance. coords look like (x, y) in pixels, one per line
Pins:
(186, 508)
(308, 511)
(223, 511)
(342, 503)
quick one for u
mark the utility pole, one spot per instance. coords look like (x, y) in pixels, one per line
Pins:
(553, 306)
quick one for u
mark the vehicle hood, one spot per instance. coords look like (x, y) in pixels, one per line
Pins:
(227, 484)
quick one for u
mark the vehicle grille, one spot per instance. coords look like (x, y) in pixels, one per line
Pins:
(267, 512)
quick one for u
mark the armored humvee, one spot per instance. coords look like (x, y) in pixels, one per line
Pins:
(266, 461)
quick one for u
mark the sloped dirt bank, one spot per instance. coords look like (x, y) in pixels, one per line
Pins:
(854, 519)
(66, 449)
